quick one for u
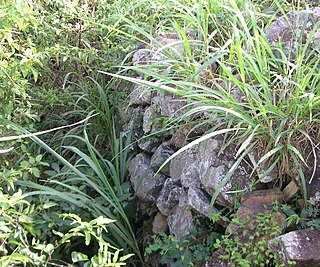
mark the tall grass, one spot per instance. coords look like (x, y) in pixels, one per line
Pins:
(103, 187)
(93, 173)
(269, 97)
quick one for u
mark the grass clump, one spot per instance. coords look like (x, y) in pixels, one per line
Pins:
(235, 80)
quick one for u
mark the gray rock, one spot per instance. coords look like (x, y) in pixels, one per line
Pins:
(312, 3)
(301, 247)
(154, 58)
(152, 119)
(200, 202)
(169, 105)
(140, 95)
(149, 144)
(181, 221)
(158, 55)
(185, 168)
(294, 25)
(141, 57)
(185, 134)
(135, 124)
(179, 138)
(205, 166)
(163, 152)
(169, 197)
(215, 164)
(163, 106)
(146, 185)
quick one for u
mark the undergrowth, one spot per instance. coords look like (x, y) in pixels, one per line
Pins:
(65, 197)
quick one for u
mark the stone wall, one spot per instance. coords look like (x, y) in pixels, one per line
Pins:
(188, 182)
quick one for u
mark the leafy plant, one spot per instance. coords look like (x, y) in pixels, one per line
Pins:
(21, 245)
(307, 217)
(251, 248)
(192, 250)
(95, 185)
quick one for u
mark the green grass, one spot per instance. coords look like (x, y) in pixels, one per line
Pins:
(238, 84)
(104, 191)
(276, 108)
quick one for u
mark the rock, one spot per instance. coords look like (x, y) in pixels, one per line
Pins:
(181, 221)
(312, 3)
(290, 190)
(214, 165)
(169, 197)
(146, 185)
(294, 25)
(300, 203)
(140, 95)
(149, 144)
(152, 121)
(256, 203)
(200, 202)
(262, 169)
(301, 247)
(312, 183)
(135, 124)
(249, 227)
(160, 224)
(141, 57)
(163, 106)
(187, 133)
(185, 168)
(161, 50)
(205, 166)
(169, 105)
(163, 152)
(179, 139)
(173, 44)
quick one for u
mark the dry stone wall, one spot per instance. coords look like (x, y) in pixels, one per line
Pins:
(191, 178)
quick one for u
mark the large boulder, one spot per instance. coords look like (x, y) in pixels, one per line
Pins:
(298, 248)
(250, 227)
(146, 184)
(206, 165)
